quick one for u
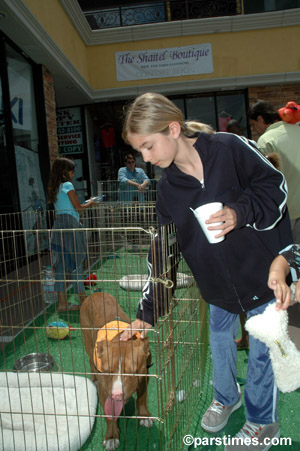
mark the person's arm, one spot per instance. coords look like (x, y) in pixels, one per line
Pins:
(297, 292)
(262, 200)
(76, 204)
(292, 255)
(263, 192)
(124, 180)
(279, 269)
(122, 176)
(133, 183)
(154, 300)
(145, 181)
(155, 297)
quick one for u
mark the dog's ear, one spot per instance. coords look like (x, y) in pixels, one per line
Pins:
(101, 347)
(147, 350)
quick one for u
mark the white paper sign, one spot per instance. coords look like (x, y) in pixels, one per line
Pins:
(158, 63)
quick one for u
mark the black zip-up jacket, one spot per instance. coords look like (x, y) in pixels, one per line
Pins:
(231, 274)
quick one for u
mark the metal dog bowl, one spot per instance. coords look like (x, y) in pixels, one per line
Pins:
(35, 362)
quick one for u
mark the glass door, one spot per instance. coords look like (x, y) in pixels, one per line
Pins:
(25, 146)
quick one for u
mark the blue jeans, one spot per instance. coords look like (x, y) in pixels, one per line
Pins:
(261, 393)
(62, 267)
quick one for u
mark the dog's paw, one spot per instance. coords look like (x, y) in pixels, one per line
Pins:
(111, 444)
(146, 422)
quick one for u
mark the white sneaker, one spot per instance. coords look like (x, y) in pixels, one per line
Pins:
(217, 415)
(254, 437)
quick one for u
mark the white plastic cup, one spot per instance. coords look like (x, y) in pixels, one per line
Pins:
(202, 213)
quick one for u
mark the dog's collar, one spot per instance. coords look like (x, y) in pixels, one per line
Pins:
(108, 332)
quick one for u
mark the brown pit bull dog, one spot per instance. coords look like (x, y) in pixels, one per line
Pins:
(115, 365)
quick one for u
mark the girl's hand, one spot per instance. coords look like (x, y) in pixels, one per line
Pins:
(282, 292)
(228, 218)
(133, 328)
(92, 202)
(89, 203)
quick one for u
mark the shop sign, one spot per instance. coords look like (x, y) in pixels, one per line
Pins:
(159, 63)
(69, 131)
(20, 87)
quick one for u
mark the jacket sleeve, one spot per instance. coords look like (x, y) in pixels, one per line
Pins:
(262, 200)
(142, 175)
(122, 177)
(156, 295)
(292, 255)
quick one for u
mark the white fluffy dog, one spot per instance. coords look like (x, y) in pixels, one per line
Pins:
(271, 328)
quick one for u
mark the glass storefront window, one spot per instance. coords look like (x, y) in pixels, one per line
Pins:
(22, 100)
(231, 107)
(180, 104)
(201, 109)
(25, 138)
(215, 109)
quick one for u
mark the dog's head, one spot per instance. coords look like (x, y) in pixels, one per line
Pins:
(124, 367)
(134, 354)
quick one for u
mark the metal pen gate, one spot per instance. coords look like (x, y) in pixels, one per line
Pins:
(59, 393)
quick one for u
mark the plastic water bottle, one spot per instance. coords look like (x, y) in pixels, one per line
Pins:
(50, 296)
(96, 199)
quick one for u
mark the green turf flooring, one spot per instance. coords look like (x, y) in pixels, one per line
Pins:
(70, 356)
(134, 437)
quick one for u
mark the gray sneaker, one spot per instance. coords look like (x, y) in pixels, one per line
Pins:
(255, 437)
(217, 415)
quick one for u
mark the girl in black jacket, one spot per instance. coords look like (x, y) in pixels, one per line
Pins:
(201, 167)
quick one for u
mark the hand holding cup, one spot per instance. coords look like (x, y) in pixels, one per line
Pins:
(202, 214)
(216, 221)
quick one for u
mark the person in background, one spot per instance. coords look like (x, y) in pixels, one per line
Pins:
(288, 261)
(218, 167)
(279, 137)
(69, 247)
(133, 181)
(233, 126)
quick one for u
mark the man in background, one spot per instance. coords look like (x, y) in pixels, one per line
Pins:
(133, 181)
(283, 139)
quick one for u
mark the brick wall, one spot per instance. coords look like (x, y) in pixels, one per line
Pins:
(278, 95)
(50, 106)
